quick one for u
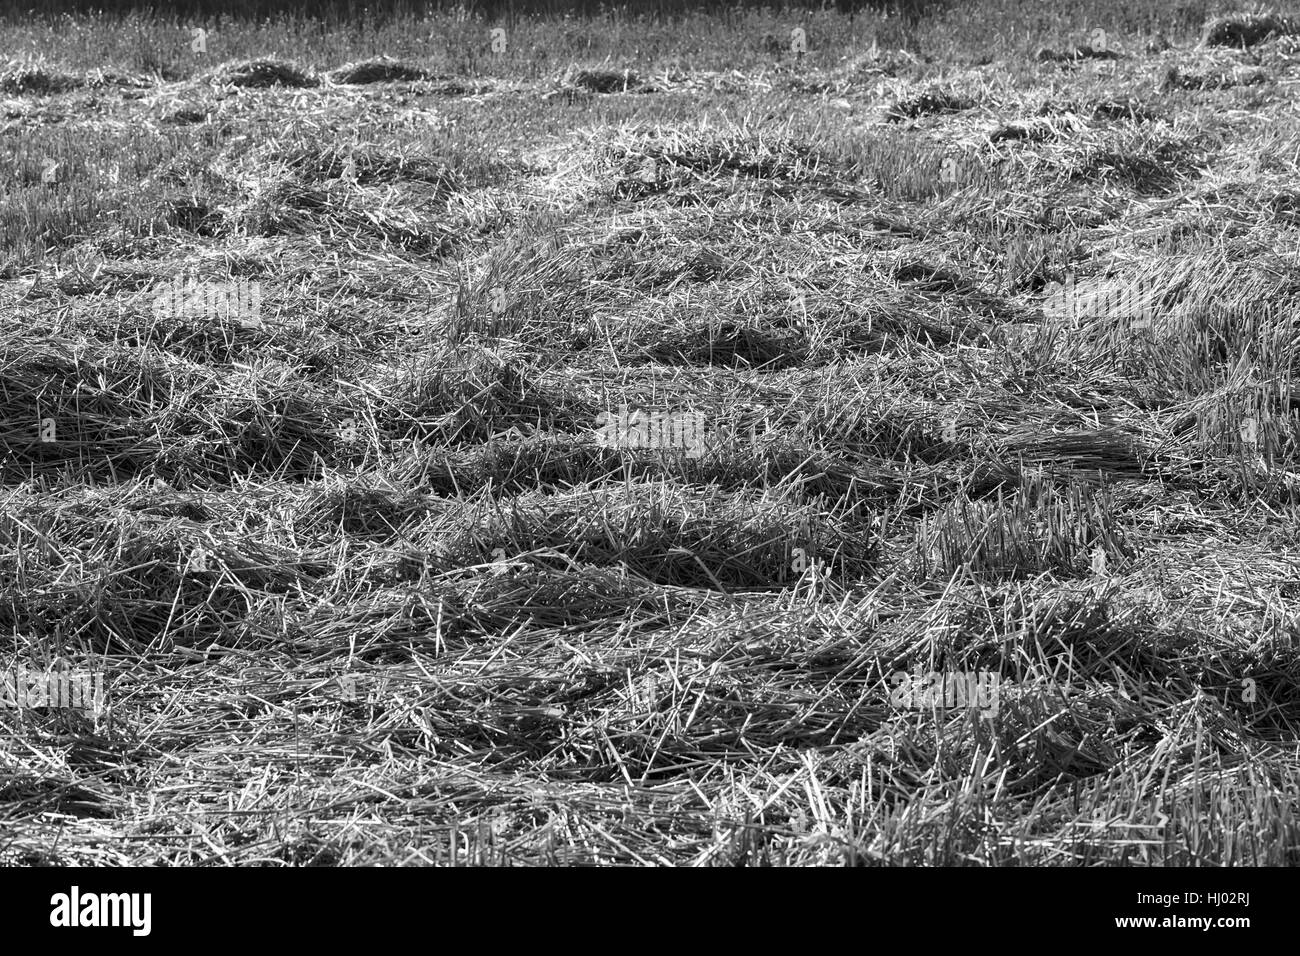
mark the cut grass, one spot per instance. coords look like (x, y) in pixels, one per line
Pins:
(1246, 29)
(993, 363)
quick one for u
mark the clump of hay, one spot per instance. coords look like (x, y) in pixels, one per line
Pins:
(19, 78)
(1286, 206)
(930, 101)
(1082, 52)
(185, 116)
(377, 70)
(1158, 44)
(1176, 79)
(1031, 131)
(317, 164)
(1139, 157)
(259, 74)
(1246, 29)
(601, 81)
(191, 214)
(1124, 108)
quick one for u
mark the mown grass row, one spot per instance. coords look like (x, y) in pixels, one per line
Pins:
(995, 367)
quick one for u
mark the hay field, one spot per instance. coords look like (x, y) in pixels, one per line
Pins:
(640, 439)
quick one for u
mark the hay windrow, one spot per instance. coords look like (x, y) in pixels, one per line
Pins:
(263, 73)
(653, 453)
(377, 70)
(1246, 29)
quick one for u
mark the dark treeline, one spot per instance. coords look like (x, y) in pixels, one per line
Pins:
(380, 10)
